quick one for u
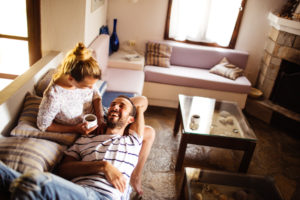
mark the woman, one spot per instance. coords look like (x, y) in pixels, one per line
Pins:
(71, 95)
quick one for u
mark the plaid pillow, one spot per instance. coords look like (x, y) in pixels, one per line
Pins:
(26, 154)
(158, 54)
(227, 70)
(43, 83)
(27, 124)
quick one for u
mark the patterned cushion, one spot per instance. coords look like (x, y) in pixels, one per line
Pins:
(27, 124)
(24, 154)
(158, 54)
(43, 83)
(227, 70)
(102, 85)
(30, 109)
(31, 131)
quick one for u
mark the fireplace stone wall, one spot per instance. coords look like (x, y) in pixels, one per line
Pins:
(283, 43)
(280, 45)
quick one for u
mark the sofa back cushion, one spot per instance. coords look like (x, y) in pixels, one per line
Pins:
(26, 154)
(196, 56)
(100, 47)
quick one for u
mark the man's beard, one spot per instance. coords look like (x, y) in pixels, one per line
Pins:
(118, 124)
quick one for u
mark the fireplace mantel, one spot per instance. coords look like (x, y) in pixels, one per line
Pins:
(282, 24)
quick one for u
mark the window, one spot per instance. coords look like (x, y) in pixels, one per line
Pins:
(20, 44)
(208, 22)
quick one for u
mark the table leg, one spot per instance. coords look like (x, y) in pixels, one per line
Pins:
(177, 121)
(183, 184)
(247, 158)
(181, 153)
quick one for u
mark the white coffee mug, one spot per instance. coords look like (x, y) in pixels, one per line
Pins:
(194, 124)
(91, 119)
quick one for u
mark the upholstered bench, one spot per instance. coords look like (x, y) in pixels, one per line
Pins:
(119, 81)
(189, 73)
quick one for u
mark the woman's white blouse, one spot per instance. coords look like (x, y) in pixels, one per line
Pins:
(65, 106)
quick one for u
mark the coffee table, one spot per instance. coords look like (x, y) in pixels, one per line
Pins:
(222, 124)
(199, 183)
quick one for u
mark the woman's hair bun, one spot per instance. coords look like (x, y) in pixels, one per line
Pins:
(81, 52)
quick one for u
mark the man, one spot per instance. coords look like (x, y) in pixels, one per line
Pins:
(100, 166)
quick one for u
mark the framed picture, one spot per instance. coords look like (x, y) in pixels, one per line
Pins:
(95, 4)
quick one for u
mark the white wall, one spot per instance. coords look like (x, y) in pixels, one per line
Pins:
(145, 20)
(62, 24)
(254, 31)
(139, 21)
(93, 21)
(66, 22)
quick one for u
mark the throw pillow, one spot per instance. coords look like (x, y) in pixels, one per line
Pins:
(158, 54)
(26, 154)
(227, 70)
(31, 131)
(102, 85)
(43, 83)
(30, 109)
(27, 124)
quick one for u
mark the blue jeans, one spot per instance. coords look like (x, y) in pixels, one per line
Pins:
(39, 185)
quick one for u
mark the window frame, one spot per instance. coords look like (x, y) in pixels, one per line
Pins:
(34, 34)
(234, 36)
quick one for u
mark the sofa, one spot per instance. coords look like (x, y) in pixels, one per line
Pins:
(23, 146)
(119, 81)
(189, 74)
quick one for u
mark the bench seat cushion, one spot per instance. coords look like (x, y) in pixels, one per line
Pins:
(197, 78)
(125, 80)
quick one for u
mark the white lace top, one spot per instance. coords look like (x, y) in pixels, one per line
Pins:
(65, 106)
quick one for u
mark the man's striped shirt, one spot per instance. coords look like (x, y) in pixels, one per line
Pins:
(121, 151)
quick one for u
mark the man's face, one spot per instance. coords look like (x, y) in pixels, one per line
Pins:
(119, 113)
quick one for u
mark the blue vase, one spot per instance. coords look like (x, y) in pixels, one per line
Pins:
(114, 40)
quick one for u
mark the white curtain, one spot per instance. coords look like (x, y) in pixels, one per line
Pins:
(204, 20)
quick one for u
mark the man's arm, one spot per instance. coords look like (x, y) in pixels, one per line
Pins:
(141, 104)
(71, 168)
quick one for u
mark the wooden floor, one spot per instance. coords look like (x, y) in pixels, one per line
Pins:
(277, 155)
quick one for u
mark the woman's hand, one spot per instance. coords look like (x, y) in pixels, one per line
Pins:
(81, 128)
(101, 128)
(115, 177)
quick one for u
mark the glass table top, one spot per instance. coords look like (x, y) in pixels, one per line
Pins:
(207, 116)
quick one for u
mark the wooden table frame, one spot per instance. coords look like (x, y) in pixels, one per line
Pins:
(264, 185)
(247, 146)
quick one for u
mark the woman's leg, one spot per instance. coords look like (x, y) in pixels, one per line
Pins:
(136, 177)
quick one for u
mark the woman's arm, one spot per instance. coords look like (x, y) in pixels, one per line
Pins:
(97, 104)
(79, 128)
(71, 168)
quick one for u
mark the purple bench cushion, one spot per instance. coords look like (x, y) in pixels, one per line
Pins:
(197, 78)
(197, 56)
(125, 80)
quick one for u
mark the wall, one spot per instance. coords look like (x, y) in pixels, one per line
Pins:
(66, 22)
(93, 21)
(61, 24)
(254, 32)
(141, 21)
(145, 20)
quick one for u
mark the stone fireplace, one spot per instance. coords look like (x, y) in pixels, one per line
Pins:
(279, 77)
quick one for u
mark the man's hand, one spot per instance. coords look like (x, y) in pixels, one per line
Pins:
(81, 128)
(115, 177)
